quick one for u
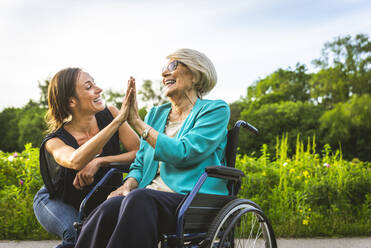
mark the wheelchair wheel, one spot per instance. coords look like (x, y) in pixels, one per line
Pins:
(241, 223)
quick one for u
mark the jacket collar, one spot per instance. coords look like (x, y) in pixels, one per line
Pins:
(195, 109)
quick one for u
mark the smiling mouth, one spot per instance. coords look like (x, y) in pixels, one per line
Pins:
(97, 100)
(169, 82)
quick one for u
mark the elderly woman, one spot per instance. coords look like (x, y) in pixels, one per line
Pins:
(84, 136)
(179, 139)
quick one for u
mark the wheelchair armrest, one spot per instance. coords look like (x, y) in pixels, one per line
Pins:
(224, 172)
(121, 166)
(115, 167)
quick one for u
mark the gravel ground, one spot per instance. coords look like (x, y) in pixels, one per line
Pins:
(282, 243)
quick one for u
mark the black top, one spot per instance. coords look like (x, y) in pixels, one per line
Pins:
(58, 179)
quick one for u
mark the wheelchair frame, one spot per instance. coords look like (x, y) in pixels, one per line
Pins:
(194, 213)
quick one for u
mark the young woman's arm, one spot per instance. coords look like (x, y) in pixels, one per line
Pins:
(77, 158)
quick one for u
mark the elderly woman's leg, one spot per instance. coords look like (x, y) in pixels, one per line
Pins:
(100, 224)
(133, 221)
(143, 216)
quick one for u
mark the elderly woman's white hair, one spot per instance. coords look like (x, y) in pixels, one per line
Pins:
(200, 65)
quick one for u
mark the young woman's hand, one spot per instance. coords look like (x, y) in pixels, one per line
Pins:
(130, 184)
(85, 176)
(133, 110)
(126, 103)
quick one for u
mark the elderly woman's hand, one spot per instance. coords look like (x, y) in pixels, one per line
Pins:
(130, 184)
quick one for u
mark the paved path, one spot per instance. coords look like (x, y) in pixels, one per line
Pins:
(282, 243)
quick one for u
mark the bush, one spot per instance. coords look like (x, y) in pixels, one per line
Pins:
(307, 195)
(304, 195)
(19, 181)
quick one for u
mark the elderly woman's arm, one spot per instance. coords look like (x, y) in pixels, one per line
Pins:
(202, 140)
(208, 132)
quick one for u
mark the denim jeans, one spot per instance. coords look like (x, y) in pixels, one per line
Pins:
(56, 217)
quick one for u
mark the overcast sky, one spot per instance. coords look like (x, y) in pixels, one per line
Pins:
(113, 39)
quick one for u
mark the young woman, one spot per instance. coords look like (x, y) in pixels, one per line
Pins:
(84, 135)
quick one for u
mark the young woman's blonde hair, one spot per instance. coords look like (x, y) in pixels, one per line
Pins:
(61, 88)
(201, 67)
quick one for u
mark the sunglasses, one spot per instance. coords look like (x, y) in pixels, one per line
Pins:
(172, 66)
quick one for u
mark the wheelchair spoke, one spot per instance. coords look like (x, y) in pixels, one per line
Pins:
(252, 228)
(242, 225)
(254, 234)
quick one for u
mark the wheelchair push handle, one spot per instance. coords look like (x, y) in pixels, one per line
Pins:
(248, 126)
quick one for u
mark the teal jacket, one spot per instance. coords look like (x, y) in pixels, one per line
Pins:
(199, 143)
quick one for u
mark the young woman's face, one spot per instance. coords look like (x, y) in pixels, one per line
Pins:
(88, 94)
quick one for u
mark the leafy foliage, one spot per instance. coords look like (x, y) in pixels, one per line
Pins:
(275, 119)
(281, 85)
(306, 195)
(21, 126)
(19, 181)
(349, 122)
(43, 86)
(114, 98)
(151, 95)
(31, 125)
(332, 103)
(9, 129)
(345, 69)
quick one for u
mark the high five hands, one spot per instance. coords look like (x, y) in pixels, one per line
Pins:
(129, 107)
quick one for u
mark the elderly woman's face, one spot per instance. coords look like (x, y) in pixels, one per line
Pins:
(177, 78)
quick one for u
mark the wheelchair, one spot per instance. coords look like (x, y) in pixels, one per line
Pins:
(205, 220)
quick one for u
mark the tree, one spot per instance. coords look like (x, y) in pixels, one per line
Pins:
(345, 69)
(113, 97)
(43, 86)
(31, 125)
(150, 95)
(276, 119)
(20, 126)
(281, 85)
(348, 125)
(9, 129)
